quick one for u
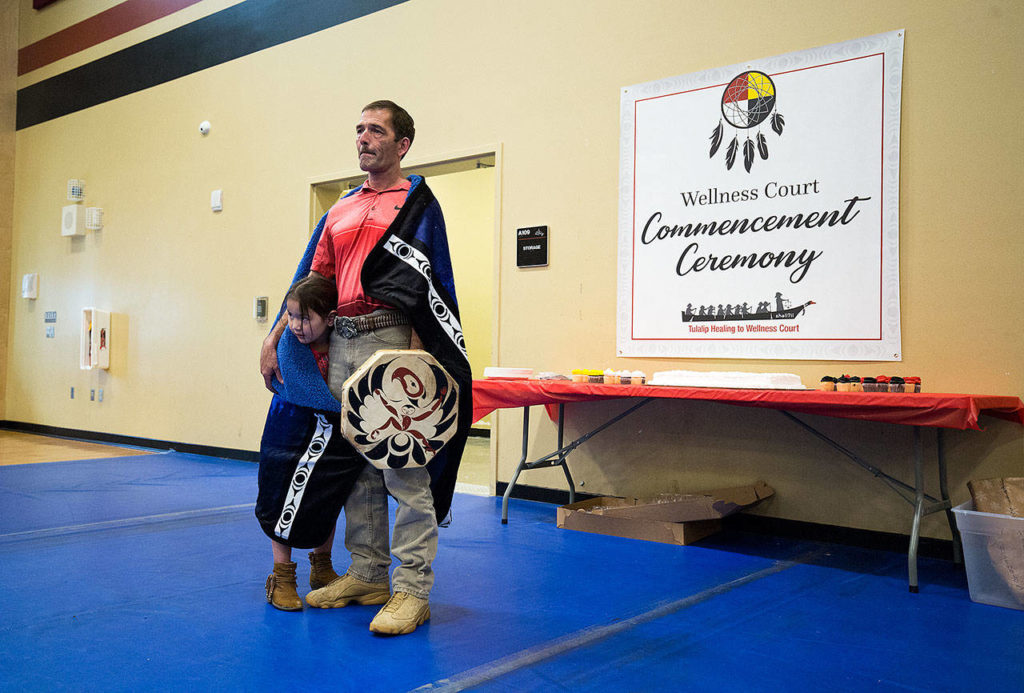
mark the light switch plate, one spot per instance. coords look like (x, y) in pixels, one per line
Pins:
(259, 308)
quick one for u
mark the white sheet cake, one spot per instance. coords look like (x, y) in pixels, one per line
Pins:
(728, 379)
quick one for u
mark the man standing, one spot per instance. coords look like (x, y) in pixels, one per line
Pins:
(385, 246)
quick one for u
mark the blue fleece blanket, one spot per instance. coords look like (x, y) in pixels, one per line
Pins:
(303, 384)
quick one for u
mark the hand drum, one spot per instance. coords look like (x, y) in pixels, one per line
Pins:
(399, 408)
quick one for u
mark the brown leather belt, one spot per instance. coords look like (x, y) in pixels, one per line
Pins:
(349, 327)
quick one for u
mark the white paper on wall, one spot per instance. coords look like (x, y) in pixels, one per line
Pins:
(759, 208)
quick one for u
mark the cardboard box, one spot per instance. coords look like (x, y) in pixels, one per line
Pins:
(669, 519)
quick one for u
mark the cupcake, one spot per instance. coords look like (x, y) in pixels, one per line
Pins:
(870, 384)
(610, 377)
(843, 384)
(595, 376)
(883, 383)
(828, 384)
(579, 375)
(913, 384)
(897, 384)
(855, 384)
(638, 377)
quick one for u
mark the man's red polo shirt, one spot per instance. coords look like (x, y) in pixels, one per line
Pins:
(353, 227)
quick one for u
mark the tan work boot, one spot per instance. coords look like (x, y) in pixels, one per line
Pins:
(321, 572)
(400, 615)
(347, 589)
(281, 590)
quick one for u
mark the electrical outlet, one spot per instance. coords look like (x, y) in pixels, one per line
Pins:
(92, 395)
(101, 394)
(49, 332)
(72, 393)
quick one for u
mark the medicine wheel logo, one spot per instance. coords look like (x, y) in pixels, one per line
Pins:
(747, 102)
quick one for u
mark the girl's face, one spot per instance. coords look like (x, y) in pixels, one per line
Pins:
(308, 327)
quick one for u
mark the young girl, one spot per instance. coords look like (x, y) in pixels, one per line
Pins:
(310, 305)
(305, 471)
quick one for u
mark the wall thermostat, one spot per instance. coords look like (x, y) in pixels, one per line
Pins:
(30, 285)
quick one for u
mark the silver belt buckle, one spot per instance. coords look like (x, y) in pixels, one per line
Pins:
(345, 326)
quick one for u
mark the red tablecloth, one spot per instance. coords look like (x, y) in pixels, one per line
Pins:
(919, 409)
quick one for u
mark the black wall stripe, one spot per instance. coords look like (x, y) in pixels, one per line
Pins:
(232, 33)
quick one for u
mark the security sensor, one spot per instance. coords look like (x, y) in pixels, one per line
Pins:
(204, 127)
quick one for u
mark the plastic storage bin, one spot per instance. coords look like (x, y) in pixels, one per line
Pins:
(993, 555)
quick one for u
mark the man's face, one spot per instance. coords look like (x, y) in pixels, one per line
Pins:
(375, 142)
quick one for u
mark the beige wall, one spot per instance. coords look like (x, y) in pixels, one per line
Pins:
(542, 79)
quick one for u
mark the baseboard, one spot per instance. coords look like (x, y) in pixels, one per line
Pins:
(778, 527)
(542, 495)
(115, 439)
(928, 547)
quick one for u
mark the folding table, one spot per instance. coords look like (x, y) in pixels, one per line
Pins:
(918, 410)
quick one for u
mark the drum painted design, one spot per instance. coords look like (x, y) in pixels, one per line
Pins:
(399, 408)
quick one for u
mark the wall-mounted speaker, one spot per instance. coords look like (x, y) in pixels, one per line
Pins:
(72, 221)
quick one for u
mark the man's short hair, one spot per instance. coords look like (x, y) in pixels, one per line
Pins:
(401, 121)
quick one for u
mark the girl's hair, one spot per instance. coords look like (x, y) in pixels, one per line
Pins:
(314, 293)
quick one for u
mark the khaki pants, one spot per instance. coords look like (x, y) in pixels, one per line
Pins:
(414, 541)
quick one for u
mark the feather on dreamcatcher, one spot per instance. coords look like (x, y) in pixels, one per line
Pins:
(748, 101)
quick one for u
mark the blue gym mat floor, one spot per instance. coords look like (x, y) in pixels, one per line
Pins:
(147, 572)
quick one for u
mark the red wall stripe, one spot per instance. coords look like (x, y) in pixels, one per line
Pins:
(119, 19)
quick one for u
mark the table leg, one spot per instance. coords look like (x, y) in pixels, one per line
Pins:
(563, 461)
(915, 531)
(923, 503)
(958, 550)
(560, 456)
(519, 468)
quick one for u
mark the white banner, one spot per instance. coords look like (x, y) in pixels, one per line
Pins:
(759, 208)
